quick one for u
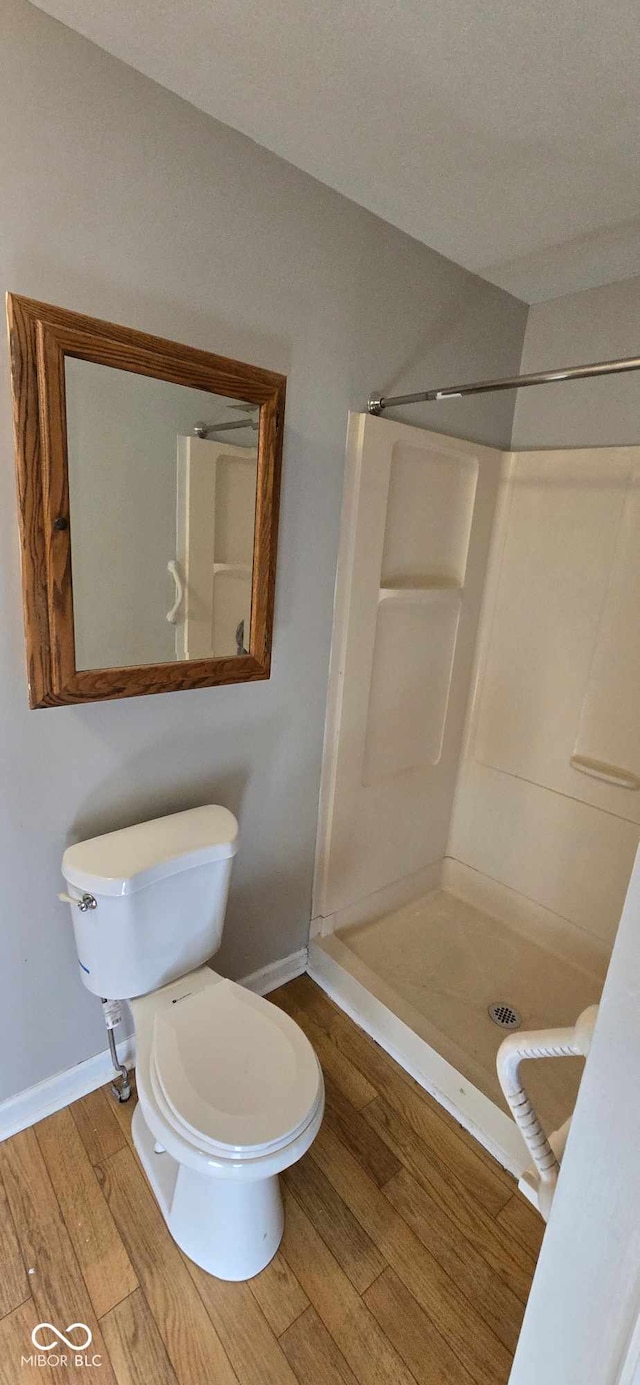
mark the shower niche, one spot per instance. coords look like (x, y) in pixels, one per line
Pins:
(430, 503)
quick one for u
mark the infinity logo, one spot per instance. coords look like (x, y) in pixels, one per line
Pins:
(73, 1346)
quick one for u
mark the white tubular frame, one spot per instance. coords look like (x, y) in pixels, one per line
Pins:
(540, 1043)
(172, 568)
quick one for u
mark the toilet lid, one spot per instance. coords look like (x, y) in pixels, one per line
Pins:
(235, 1071)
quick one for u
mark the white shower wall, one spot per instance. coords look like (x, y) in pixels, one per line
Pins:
(556, 692)
(416, 528)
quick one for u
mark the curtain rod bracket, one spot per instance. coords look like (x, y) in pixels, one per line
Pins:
(374, 404)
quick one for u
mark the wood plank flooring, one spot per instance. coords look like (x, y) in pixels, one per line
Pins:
(406, 1260)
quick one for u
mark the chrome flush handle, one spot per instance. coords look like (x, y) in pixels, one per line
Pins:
(88, 901)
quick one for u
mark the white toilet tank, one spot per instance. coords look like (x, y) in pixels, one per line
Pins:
(160, 891)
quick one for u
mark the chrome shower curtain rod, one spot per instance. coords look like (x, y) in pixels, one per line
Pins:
(202, 430)
(378, 403)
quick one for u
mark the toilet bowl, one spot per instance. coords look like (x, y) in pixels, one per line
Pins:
(230, 1089)
(230, 1094)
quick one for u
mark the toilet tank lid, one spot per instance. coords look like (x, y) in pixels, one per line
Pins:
(122, 862)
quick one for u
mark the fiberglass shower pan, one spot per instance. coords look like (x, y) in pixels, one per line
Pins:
(478, 816)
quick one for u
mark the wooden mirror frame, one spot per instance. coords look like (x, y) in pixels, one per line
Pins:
(40, 336)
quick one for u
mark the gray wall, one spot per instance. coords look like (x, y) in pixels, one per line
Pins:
(122, 201)
(596, 325)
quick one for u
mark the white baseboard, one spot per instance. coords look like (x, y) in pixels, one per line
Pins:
(32, 1105)
(479, 1115)
(276, 973)
(26, 1108)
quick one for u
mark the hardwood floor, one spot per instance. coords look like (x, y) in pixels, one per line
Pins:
(406, 1260)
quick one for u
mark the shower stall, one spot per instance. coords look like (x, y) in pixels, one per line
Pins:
(480, 810)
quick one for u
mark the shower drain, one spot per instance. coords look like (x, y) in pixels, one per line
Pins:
(504, 1015)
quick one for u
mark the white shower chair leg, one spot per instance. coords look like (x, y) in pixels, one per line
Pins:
(539, 1182)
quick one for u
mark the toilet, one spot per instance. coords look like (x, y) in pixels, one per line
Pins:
(230, 1089)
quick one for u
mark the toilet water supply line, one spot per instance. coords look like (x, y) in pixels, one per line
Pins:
(540, 1043)
(112, 1012)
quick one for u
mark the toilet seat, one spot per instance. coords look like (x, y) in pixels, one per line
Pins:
(231, 1073)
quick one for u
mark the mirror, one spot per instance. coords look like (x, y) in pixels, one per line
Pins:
(162, 507)
(148, 478)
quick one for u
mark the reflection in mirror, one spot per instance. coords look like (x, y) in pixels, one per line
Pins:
(162, 496)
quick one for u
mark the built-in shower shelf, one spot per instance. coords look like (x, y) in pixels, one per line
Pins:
(420, 596)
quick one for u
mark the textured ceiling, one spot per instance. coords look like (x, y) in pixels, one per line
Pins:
(505, 135)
